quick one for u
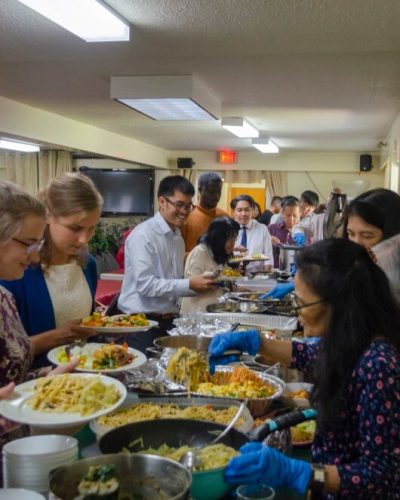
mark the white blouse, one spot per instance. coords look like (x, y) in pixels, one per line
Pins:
(69, 292)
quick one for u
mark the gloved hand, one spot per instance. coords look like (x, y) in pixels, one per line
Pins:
(267, 466)
(221, 360)
(279, 291)
(246, 341)
(299, 239)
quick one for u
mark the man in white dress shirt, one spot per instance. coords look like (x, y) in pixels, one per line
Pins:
(253, 236)
(154, 259)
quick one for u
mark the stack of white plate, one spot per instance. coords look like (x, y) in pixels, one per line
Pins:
(27, 462)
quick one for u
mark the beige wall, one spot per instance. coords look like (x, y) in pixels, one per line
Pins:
(390, 156)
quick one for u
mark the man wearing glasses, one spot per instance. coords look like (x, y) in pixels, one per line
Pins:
(154, 255)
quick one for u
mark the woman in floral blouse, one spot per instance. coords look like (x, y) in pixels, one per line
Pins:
(343, 297)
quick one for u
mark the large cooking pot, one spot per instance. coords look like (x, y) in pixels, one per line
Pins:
(287, 257)
(144, 476)
(206, 485)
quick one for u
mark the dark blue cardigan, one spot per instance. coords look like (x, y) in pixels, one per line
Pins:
(33, 299)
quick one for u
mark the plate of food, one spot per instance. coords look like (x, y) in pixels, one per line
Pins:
(120, 323)
(63, 400)
(303, 434)
(248, 258)
(95, 357)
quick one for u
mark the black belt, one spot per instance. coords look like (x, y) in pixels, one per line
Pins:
(163, 317)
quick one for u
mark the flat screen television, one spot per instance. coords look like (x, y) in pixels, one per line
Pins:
(125, 192)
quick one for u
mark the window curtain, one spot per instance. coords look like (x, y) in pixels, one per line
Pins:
(276, 183)
(33, 171)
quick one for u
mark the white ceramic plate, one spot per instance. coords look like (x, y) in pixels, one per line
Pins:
(122, 329)
(139, 359)
(16, 407)
(236, 260)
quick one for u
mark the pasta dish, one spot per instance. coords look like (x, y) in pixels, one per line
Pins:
(127, 320)
(151, 411)
(72, 394)
(188, 367)
(211, 457)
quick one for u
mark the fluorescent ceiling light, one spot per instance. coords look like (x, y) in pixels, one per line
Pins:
(19, 146)
(239, 127)
(166, 97)
(91, 20)
(265, 145)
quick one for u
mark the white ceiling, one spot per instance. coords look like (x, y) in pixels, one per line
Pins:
(312, 74)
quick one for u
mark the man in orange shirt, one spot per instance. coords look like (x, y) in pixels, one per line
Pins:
(209, 194)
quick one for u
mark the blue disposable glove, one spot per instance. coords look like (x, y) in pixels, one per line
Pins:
(280, 290)
(299, 239)
(268, 466)
(246, 341)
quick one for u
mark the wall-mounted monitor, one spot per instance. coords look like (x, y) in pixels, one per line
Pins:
(125, 192)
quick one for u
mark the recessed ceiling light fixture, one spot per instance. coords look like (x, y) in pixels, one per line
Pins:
(91, 20)
(265, 145)
(239, 127)
(19, 146)
(166, 97)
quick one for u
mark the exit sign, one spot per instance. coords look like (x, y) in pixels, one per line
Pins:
(227, 157)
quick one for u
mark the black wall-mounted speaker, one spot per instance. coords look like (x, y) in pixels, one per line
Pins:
(365, 163)
(185, 162)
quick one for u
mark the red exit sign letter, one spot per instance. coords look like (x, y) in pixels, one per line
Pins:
(227, 157)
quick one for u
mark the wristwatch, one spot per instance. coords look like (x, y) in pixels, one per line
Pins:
(317, 480)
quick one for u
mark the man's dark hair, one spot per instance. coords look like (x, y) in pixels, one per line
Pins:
(217, 234)
(337, 270)
(310, 197)
(242, 197)
(173, 183)
(276, 200)
(290, 201)
(207, 178)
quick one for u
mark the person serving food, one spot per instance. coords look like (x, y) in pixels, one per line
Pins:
(343, 297)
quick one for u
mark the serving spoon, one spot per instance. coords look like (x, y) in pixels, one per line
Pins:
(191, 459)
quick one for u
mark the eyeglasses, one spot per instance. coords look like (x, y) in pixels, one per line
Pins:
(180, 206)
(296, 306)
(31, 247)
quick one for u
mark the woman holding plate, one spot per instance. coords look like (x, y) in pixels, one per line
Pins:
(210, 255)
(343, 297)
(53, 295)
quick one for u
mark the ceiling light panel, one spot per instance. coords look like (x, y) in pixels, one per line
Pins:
(239, 127)
(265, 145)
(19, 146)
(166, 97)
(90, 20)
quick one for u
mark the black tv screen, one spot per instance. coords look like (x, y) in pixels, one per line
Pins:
(125, 192)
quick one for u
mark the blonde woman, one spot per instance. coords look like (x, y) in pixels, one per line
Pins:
(53, 297)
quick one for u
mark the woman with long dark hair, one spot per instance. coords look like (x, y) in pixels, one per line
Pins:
(343, 297)
(212, 253)
(372, 217)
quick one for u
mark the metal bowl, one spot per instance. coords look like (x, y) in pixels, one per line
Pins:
(144, 476)
(195, 342)
(221, 307)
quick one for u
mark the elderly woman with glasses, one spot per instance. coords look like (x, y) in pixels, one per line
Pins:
(343, 297)
(54, 295)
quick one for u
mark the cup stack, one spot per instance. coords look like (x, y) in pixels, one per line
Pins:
(27, 462)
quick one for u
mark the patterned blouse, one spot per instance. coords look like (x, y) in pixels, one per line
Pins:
(365, 445)
(16, 351)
